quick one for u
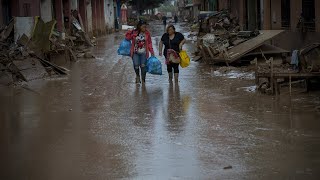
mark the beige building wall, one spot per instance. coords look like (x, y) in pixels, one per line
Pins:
(291, 39)
(46, 10)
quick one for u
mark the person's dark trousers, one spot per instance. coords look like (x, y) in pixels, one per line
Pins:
(175, 68)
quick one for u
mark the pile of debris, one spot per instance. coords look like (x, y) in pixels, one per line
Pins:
(220, 32)
(24, 59)
(218, 23)
(302, 69)
(28, 45)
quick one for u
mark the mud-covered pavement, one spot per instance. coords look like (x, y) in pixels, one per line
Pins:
(98, 124)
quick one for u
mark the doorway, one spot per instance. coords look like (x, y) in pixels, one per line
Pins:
(6, 11)
(308, 13)
(285, 14)
(253, 15)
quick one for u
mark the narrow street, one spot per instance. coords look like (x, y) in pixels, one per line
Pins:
(98, 124)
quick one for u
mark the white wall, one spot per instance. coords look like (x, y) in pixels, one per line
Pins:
(46, 10)
(109, 13)
(23, 25)
(156, 11)
(74, 5)
(89, 17)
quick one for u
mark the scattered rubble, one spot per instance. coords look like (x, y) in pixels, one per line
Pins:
(235, 73)
(219, 32)
(227, 167)
(310, 58)
(28, 56)
(220, 39)
(249, 89)
(274, 73)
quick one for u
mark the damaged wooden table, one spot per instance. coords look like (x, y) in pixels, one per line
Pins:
(273, 77)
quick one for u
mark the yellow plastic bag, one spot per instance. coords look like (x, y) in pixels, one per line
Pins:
(185, 60)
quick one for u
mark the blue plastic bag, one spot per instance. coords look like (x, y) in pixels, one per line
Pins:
(124, 48)
(154, 66)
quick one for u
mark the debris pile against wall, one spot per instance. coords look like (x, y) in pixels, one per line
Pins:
(28, 57)
(220, 32)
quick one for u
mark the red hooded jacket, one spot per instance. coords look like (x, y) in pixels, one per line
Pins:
(131, 36)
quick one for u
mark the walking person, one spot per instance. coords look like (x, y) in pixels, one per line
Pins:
(175, 19)
(141, 47)
(173, 42)
(164, 21)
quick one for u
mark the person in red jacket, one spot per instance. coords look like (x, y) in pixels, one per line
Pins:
(141, 47)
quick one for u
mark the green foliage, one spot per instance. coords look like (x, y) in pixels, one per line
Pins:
(142, 5)
(167, 8)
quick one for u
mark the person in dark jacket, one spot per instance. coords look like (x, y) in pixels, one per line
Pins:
(175, 41)
(164, 21)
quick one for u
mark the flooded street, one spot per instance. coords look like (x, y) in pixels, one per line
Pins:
(97, 124)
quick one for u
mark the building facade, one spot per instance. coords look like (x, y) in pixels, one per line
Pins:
(97, 16)
(300, 18)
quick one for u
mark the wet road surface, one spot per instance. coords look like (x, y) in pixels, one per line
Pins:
(98, 124)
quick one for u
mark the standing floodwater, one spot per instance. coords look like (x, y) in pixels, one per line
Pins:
(99, 124)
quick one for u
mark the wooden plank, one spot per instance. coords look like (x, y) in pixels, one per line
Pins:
(81, 22)
(210, 53)
(290, 85)
(204, 55)
(271, 76)
(242, 49)
(6, 78)
(267, 49)
(293, 75)
(256, 71)
(30, 69)
(56, 68)
(6, 33)
(253, 43)
(27, 64)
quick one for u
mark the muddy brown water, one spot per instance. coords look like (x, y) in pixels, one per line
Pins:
(98, 124)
